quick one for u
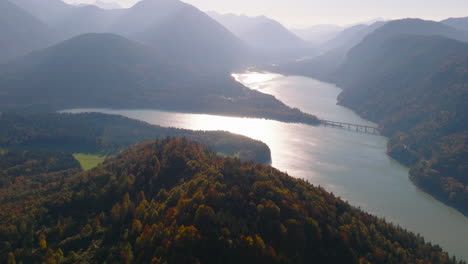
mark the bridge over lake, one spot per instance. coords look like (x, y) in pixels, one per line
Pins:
(351, 127)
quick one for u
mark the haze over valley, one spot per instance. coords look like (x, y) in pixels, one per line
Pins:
(167, 131)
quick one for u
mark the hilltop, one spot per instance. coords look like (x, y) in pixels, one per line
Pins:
(173, 201)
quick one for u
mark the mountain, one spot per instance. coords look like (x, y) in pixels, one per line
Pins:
(101, 134)
(182, 31)
(45, 10)
(415, 87)
(409, 76)
(261, 32)
(67, 21)
(109, 71)
(20, 31)
(84, 19)
(395, 56)
(169, 26)
(408, 26)
(80, 66)
(332, 56)
(318, 34)
(173, 201)
(363, 38)
(459, 23)
(100, 4)
(351, 36)
(364, 52)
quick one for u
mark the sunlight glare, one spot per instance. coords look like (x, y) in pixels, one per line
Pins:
(255, 80)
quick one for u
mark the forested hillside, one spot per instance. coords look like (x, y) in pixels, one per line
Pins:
(159, 54)
(30, 163)
(107, 70)
(173, 201)
(410, 76)
(416, 87)
(108, 134)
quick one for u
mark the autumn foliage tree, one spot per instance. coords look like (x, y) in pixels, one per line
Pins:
(174, 201)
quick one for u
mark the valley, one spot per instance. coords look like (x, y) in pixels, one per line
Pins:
(354, 166)
(409, 76)
(163, 131)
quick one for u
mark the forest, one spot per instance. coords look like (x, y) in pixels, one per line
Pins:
(422, 111)
(410, 77)
(108, 134)
(29, 163)
(94, 188)
(139, 78)
(174, 201)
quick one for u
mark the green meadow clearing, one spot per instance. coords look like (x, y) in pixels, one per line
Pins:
(89, 161)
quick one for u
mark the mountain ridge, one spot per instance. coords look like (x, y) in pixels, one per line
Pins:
(460, 23)
(260, 31)
(21, 32)
(123, 73)
(267, 39)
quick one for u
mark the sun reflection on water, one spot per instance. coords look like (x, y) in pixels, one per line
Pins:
(254, 128)
(352, 165)
(254, 80)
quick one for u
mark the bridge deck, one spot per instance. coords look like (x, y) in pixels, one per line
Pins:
(350, 126)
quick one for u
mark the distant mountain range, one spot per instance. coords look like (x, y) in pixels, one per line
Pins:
(172, 27)
(410, 26)
(350, 37)
(336, 50)
(459, 23)
(362, 53)
(266, 37)
(169, 26)
(48, 11)
(77, 20)
(333, 53)
(260, 32)
(182, 31)
(159, 54)
(318, 35)
(107, 70)
(21, 32)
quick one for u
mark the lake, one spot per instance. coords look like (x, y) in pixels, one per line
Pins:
(352, 165)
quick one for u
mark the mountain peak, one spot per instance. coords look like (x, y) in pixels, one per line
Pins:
(460, 23)
(261, 32)
(408, 26)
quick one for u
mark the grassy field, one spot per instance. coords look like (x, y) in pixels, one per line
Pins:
(89, 161)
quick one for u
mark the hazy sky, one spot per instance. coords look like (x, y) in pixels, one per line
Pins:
(299, 13)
